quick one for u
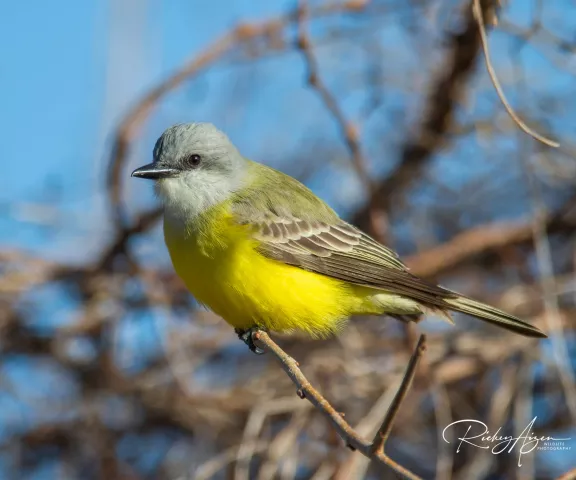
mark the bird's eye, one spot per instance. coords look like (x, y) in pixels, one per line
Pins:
(193, 161)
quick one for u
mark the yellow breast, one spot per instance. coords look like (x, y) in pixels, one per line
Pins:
(218, 261)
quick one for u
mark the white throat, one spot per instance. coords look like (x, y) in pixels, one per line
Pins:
(185, 198)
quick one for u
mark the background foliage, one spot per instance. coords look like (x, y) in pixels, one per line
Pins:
(107, 367)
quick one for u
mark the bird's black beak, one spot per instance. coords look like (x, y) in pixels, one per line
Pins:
(153, 171)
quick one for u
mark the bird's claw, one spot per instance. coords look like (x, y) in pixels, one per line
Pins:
(246, 337)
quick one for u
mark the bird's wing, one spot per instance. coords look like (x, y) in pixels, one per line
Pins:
(341, 251)
(295, 227)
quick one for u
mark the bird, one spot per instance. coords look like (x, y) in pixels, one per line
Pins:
(262, 251)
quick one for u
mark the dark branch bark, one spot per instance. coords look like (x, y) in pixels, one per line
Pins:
(446, 90)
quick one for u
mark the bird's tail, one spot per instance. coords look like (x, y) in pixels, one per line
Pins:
(493, 315)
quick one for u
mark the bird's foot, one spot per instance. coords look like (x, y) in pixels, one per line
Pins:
(246, 337)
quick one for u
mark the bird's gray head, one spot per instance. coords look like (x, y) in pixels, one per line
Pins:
(195, 167)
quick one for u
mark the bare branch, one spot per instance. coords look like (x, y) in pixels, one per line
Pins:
(445, 92)
(134, 120)
(349, 131)
(384, 432)
(571, 475)
(486, 238)
(478, 15)
(374, 449)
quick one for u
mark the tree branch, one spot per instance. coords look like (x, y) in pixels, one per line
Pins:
(371, 449)
(486, 238)
(135, 118)
(348, 130)
(570, 475)
(479, 16)
(446, 92)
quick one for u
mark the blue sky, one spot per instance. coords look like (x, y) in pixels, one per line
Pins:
(68, 81)
(71, 69)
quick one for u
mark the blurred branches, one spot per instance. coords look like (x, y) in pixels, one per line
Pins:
(109, 369)
(374, 449)
(270, 31)
(445, 92)
(477, 10)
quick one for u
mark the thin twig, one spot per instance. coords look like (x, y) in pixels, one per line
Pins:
(524, 406)
(281, 446)
(570, 475)
(482, 461)
(350, 132)
(493, 77)
(544, 262)
(135, 118)
(211, 467)
(347, 128)
(384, 432)
(357, 465)
(371, 449)
(446, 90)
(553, 317)
(254, 424)
(443, 414)
(486, 238)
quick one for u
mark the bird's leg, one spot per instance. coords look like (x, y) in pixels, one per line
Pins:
(246, 337)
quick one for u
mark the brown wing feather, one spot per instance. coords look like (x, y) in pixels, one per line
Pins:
(341, 251)
(297, 228)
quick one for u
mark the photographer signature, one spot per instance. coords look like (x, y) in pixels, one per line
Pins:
(479, 432)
